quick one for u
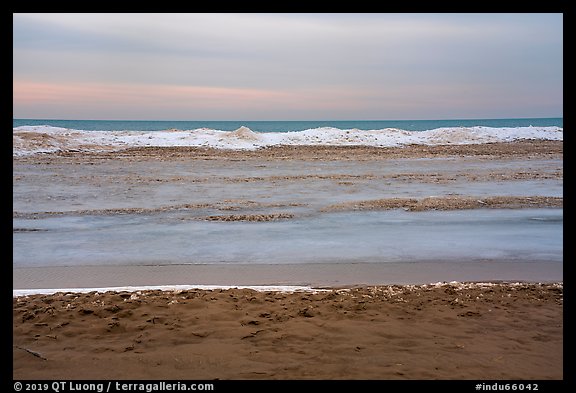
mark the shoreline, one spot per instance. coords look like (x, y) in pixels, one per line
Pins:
(176, 288)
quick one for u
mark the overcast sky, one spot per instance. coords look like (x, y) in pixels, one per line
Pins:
(287, 66)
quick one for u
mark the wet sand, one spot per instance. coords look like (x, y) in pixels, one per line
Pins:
(444, 331)
(319, 275)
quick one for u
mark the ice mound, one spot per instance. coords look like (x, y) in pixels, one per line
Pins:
(244, 133)
(45, 139)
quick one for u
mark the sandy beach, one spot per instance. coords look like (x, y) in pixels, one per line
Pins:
(443, 331)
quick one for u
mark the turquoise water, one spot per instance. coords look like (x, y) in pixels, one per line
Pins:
(285, 126)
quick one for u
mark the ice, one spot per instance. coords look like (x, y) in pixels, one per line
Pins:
(294, 186)
(354, 237)
(171, 288)
(82, 217)
(47, 139)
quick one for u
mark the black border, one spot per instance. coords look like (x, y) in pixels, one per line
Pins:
(487, 6)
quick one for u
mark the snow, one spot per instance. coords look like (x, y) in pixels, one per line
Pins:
(46, 139)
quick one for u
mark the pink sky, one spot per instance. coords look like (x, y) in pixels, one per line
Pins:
(204, 99)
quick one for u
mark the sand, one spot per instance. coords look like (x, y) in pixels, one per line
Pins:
(523, 148)
(408, 204)
(485, 331)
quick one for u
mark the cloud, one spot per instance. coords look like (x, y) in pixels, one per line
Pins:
(343, 60)
(188, 101)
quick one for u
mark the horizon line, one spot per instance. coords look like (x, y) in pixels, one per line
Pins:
(304, 120)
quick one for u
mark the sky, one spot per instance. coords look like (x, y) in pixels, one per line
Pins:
(287, 66)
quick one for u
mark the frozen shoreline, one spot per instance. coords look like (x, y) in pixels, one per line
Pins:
(29, 140)
(79, 208)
